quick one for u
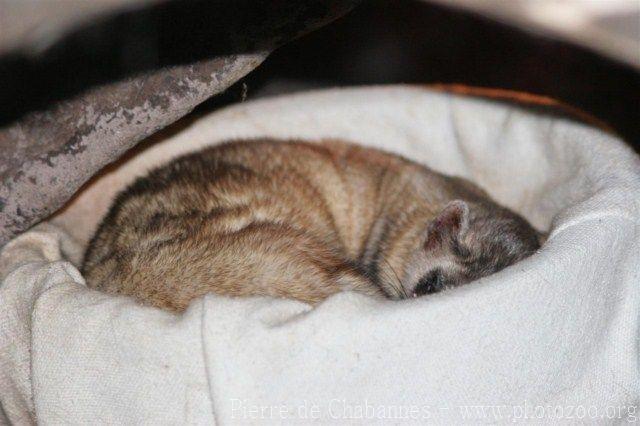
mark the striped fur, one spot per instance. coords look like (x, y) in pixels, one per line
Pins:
(293, 219)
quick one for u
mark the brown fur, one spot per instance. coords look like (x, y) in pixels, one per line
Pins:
(298, 220)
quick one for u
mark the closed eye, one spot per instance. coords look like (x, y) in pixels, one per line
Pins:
(430, 283)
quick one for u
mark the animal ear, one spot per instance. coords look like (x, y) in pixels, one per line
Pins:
(451, 223)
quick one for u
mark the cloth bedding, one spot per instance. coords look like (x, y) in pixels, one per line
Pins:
(553, 338)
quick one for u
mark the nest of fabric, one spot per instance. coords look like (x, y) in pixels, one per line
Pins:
(557, 329)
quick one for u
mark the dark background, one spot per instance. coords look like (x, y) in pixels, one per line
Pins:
(391, 41)
(379, 42)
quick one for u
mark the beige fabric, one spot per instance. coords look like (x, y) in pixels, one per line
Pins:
(558, 330)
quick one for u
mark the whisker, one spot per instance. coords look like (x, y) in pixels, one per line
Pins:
(397, 286)
(389, 286)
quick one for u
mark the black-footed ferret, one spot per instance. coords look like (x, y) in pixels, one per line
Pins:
(299, 220)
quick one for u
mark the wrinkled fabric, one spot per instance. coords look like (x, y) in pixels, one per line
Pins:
(553, 338)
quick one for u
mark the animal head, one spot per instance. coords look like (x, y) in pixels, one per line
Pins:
(467, 241)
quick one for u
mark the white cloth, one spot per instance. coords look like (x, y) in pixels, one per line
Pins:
(552, 338)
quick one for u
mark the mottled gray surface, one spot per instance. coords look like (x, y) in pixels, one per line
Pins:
(50, 154)
(47, 155)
